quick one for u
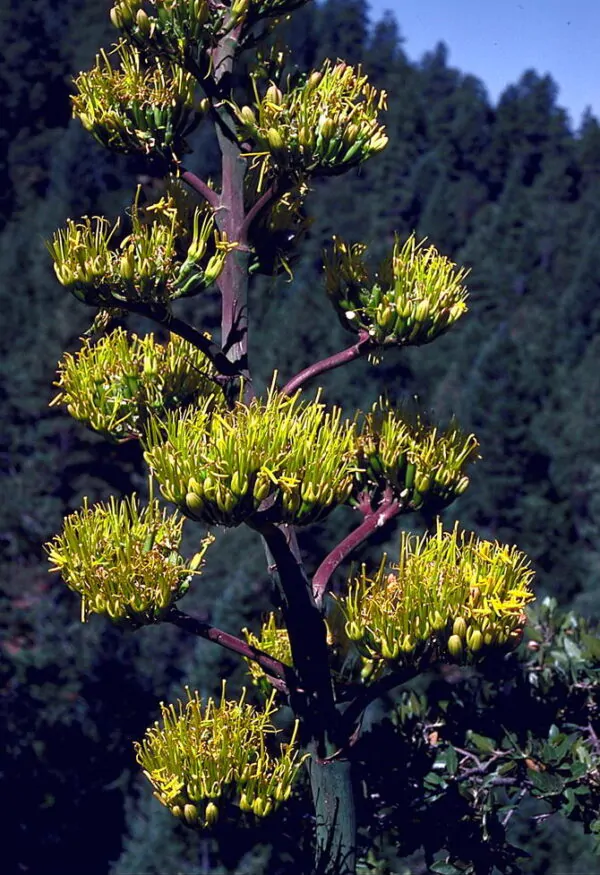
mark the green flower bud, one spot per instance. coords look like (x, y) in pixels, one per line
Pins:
(455, 646)
(248, 116)
(190, 813)
(275, 139)
(143, 22)
(459, 627)
(212, 814)
(474, 640)
(274, 95)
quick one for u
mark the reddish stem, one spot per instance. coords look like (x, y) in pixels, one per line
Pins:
(281, 675)
(374, 520)
(357, 350)
(200, 186)
(211, 350)
(263, 201)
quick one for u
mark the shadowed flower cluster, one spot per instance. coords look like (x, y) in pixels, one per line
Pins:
(204, 756)
(420, 463)
(273, 640)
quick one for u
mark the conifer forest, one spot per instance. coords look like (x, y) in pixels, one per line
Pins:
(459, 436)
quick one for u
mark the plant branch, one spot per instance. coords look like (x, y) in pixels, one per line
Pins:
(267, 197)
(387, 510)
(211, 350)
(281, 675)
(352, 715)
(315, 703)
(357, 350)
(200, 187)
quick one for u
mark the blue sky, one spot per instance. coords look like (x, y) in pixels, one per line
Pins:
(498, 39)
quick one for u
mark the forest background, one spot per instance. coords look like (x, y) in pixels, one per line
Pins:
(508, 189)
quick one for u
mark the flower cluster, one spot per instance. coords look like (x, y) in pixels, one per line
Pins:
(181, 32)
(273, 640)
(325, 126)
(138, 107)
(449, 595)
(420, 462)
(295, 460)
(416, 295)
(123, 560)
(155, 263)
(203, 756)
(115, 384)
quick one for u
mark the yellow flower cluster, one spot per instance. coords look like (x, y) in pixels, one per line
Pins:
(123, 560)
(136, 107)
(273, 640)
(421, 463)
(325, 126)
(203, 756)
(180, 30)
(449, 595)
(220, 466)
(157, 262)
(416, 295)
(116, 384)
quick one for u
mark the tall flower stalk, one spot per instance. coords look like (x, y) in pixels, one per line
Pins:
(225, 457)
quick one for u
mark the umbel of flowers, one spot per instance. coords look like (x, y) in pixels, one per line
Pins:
(124, 561)
(415, 296)
(117, 383)
(136, 106)
(418, 462)
(203, 757)
(324, 126)
(159, 261)
(220, 467)
(449, 596)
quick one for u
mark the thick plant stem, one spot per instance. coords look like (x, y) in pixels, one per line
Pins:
(314, 704)
(333, 798)
(230, 216)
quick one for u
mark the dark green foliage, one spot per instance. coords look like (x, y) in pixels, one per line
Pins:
(470, 765)
(509, 190)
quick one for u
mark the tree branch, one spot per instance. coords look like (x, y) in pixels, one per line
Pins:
(268, 196)
(357, 350)
(374, 520)
(200, 186)
(282, 676)
(211, 350)
(314, 700)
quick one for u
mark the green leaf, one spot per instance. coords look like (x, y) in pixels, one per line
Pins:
(451, 761)
(444, 868)
(483, 743)
(545, 783)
